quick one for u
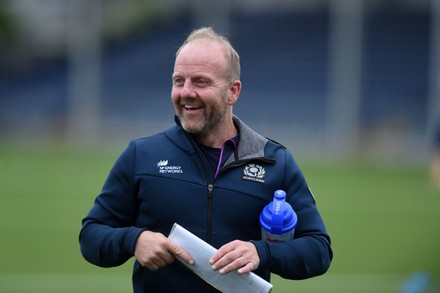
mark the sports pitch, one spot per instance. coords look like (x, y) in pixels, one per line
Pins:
(384, 224)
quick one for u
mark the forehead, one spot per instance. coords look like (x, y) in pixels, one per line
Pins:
(205, 56)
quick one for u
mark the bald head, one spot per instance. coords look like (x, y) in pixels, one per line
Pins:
(231, 56)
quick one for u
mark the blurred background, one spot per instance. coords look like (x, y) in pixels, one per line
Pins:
(340, 82)
(341, 78)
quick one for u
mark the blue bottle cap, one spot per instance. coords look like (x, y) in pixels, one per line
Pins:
(278, 217)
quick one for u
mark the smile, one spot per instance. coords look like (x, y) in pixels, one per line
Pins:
(191, 107)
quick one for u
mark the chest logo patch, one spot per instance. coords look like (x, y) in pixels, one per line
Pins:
(254, 172)
(163, 167)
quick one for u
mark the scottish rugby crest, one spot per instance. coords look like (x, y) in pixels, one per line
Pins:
(254, 172)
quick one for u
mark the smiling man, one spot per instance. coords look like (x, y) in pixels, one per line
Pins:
(213, 194)
(204, 90)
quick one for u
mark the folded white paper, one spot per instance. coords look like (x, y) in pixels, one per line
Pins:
(201, 252)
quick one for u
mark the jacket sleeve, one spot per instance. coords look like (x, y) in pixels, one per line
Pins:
(309, 254)
(108, 237)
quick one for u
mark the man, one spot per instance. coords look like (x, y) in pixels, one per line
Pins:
(211, 174)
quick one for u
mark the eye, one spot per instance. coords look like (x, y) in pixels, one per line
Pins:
(178, 81)
(201, 82)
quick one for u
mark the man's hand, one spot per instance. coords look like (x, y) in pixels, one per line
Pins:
(236, 255)
(154, 251)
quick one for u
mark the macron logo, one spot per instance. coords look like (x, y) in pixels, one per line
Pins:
(162, 163)
(164, 168)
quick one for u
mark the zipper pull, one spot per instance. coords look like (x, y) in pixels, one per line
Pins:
(210, 189)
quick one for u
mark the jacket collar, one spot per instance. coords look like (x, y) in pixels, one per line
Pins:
(251, 144)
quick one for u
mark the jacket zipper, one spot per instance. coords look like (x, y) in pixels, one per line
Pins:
(209, 214)
(208, 288)
(210, 190)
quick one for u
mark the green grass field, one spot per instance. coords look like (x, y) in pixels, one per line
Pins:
(384, 224)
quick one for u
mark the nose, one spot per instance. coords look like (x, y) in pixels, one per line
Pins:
(188, 90)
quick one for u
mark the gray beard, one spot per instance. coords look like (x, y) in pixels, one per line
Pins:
(203, 129)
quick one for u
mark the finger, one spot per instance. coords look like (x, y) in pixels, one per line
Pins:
(177, 251)
(243, 257)
(231, 261)
(222, 251)
(249, 267)
(167, 257)
(152, 267)
(236, 264)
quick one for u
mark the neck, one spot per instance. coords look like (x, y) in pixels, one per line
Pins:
(217, 137)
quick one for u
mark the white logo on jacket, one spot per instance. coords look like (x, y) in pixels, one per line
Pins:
(162, 163)
(254, 172)
(164, 168)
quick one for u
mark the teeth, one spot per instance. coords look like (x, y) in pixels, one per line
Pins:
(190, 107)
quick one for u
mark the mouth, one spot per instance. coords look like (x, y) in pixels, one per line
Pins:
(191, 108)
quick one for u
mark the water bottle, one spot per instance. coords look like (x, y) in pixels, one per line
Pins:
(278, 219)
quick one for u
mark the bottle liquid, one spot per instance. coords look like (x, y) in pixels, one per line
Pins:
(278, 219)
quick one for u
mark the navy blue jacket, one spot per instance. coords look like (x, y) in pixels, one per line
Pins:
(164, 179)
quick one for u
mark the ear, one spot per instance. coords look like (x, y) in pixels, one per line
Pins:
(234, 90)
